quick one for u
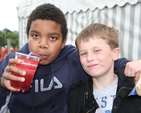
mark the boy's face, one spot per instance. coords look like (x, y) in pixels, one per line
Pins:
(97, 58)
(45, 39)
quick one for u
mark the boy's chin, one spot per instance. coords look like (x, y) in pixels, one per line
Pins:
(44, 62)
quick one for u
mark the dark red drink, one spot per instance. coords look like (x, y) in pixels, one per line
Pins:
(29, 65)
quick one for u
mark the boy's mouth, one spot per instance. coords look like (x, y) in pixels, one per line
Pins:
(42, 56)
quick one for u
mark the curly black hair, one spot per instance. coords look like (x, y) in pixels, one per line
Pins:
(48, 11)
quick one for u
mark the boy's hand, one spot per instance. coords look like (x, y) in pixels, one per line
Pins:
(132, 68)
(7, 75)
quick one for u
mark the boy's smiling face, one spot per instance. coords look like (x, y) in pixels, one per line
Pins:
(97, 58)
(45, 39)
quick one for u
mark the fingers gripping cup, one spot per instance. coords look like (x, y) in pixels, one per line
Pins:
(29, 64)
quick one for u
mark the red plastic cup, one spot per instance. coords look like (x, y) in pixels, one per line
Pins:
(29, 64)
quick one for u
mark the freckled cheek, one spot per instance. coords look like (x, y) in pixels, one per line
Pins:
(105, 59)
(83, 61)
(104, 56)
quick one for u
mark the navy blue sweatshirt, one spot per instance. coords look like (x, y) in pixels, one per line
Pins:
(50, 84)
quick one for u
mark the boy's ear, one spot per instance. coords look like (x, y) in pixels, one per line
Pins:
(116, 53)
(64, 42)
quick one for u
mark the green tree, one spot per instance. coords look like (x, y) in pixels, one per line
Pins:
(7, 34)
(13, 36)
(2, 39)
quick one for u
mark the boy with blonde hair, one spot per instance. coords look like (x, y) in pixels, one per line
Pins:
(98, 47)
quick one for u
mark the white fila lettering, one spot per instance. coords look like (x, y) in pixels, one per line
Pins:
(53, 83)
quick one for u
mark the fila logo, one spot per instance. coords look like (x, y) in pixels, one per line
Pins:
(53, 83)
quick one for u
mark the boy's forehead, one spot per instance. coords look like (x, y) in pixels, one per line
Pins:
(45, 25)
(45, 21)
(46, 28)
(88, 38)
(92, 41)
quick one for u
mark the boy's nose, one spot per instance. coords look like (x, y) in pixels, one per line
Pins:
(90, 57)
(43, 43)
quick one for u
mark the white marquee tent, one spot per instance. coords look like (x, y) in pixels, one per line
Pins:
(125, 15)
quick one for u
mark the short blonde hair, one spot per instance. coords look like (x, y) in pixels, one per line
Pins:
(110, 34)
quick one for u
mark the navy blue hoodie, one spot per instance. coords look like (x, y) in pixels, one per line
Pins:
(50, 84)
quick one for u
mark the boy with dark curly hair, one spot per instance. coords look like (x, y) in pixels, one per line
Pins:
(58, 68)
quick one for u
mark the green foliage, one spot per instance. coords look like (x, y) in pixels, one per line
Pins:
(7, 34)
(2, 39)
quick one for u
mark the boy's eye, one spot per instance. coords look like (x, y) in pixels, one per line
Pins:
(81, 54)
(53, 38)
(97, 51)
(35, 36)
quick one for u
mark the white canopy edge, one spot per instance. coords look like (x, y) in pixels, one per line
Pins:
(69, 6)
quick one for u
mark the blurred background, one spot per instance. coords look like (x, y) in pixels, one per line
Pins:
(124, 15)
